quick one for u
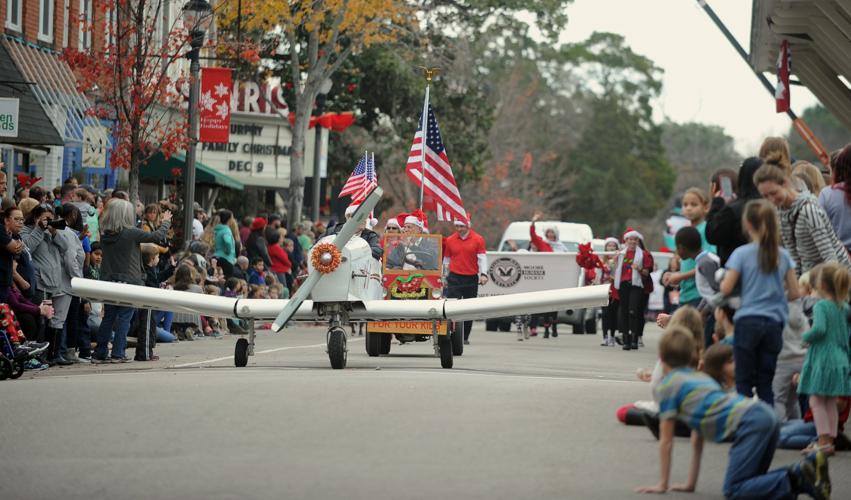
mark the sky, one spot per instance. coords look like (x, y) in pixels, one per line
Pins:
(705, 80)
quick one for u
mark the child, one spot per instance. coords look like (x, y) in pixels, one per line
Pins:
(688, 241)
(632, 274)
(826, 367)
(724, 327)
(695, 206)
(789, 362)
(214, 326)
(762, 267)
(610, 312)
(696, 399)
(718, 364)
(256, 276)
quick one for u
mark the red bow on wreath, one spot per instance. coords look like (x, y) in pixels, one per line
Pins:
(588, 260)
(25, 181)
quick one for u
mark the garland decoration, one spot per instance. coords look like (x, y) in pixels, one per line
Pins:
(316, 258)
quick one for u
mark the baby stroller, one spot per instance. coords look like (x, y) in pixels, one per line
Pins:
(11, 360)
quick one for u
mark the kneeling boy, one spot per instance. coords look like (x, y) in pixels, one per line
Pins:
(697, 400)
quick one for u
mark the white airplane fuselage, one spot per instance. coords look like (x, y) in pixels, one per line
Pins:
(357, 279)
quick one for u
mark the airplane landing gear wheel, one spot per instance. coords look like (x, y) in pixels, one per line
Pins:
(373, 343)
(457, 334)
(240, 353)
(337, 350)
(444, 344)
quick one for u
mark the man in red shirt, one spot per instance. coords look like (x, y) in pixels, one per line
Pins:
(464, 256)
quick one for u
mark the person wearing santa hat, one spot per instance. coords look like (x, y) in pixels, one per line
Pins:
(465, 258)
(632, 277)
(414, 252)
(256, 245)
(368, 235)
(610, 312)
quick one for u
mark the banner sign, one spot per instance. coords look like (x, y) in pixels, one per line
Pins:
(407, 327)
(215, 105)
(782, 95)
(9, 123)
(517, 272)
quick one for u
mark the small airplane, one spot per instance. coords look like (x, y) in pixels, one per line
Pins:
(343, 285)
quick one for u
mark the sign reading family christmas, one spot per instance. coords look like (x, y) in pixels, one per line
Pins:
(8, 117)
(215, 105)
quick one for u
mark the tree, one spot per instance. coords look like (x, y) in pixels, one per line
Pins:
(316, 38)
(696, 150)
(135, 80)
(825, 126)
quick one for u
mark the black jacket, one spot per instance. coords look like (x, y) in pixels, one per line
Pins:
(255, 246)
(724, 221)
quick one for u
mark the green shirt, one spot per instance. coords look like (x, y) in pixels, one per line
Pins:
(688, 287)
(304, 241)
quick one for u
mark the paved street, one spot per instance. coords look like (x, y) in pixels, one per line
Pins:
(513, 420)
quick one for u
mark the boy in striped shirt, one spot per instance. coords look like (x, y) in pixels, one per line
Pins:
(697, 400)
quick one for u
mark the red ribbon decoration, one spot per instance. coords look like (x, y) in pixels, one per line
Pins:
(337, 122)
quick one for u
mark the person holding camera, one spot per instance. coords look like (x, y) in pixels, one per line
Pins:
(39, 236)
(122, 263)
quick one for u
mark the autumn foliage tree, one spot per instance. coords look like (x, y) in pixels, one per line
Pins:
(132, 73)
(306, 43)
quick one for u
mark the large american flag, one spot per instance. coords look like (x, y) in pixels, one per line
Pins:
(362, 180)
(440, 193)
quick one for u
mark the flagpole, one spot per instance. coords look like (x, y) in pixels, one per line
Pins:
(429, 74)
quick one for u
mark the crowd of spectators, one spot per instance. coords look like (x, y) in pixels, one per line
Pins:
(49, 237)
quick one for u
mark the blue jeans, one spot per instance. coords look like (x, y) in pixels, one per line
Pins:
(758, 342)
(165, 336)
(115, 319)
(166, 317)
(753, 448)
(797, 434)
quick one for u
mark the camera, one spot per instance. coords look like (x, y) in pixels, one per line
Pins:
(57, 224)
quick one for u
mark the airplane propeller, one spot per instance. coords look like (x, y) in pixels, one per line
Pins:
(343, 237)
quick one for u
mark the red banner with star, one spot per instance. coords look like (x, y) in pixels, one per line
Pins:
(214, 105)
(782, 95)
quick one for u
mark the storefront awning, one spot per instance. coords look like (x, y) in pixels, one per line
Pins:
(160, 168)
(35, 127)
(56, 90)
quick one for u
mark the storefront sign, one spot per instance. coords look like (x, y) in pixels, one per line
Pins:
(95, 146)
(215, 105)
(256, 154)
(516, 272)
(9, 117)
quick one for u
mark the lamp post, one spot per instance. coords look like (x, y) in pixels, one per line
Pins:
(317, 145)
(197, 15)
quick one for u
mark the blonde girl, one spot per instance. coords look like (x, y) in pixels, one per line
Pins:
(761, 268)
(826, 366)
(694, 208)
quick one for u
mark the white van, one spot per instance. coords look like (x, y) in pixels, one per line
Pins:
(570, 233)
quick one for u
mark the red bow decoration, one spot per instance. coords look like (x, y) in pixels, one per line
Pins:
(337, 122)
(25, 181)
(588, 260)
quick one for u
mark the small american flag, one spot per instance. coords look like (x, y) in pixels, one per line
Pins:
(440, 192)
(370, 180)
(355, 182)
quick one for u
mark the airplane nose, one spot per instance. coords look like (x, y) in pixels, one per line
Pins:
(326, 258)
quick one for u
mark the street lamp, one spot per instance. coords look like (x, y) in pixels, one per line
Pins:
(197, 15)
(317, 144)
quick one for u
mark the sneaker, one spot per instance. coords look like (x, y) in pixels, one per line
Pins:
(612, 341)
(35, 365)
(25, 351)
(605, 342)
(466, 342)
(119, 360)
(640, 342)
(39, 346)
(100, 361)
(812, 475)
(71, 356)
(85, 359)
(618, 340)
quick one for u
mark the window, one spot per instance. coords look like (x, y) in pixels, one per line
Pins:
(45, 21)
(85, 38)
(13, 14)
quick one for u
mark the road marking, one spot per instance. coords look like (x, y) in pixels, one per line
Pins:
(256, 353)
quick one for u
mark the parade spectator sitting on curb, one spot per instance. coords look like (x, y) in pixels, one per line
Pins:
(256, 275)
(696, 399)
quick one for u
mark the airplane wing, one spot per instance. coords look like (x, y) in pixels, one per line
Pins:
(383, 310)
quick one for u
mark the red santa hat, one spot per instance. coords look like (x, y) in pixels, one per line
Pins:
(400, 219)
(413, 219)
(392, 222)
(462, 221)
(632, 233)
(423, 219)
(612, 240)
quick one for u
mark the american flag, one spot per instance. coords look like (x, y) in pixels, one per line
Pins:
(440, 193)
(370, 180)
(355, 182)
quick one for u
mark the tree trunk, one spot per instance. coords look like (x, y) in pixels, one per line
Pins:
(133, 176)
(302, 120)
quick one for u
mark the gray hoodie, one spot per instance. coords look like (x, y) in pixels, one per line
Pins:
(73, 256)
(122, 257)
(46, 256)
